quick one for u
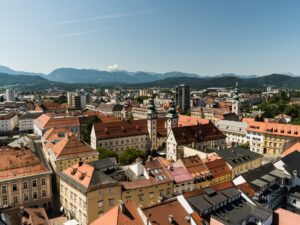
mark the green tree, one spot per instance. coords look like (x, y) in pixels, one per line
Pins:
(1, 98)
(61, 99)
(106, 153)
(293, 110)
(129, 155)
(85, 132)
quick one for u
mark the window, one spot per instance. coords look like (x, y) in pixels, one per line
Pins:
(100, 204)
(26, 198)
(34, 196)
(25, 185)
(15, 199)
(111, 201)
(141, 197)
(161, 192)
(4, 201)
(43, 181)
(44, 194)
(3, 189)
(34, 183)
(14, 187)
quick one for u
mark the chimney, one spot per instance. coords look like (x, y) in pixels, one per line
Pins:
(171, 218)
(188, 219)
(80, 163)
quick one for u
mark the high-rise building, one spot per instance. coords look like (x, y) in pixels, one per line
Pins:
(76, 100)
(183, 97)
(10, 95)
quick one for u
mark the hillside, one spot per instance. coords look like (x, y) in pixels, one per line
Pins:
(71, 75)
(276, 80)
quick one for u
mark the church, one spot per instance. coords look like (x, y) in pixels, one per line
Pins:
(153, 133)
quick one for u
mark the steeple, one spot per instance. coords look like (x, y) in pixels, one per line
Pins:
(172, 111)
(236, 92)
(151, 112)
(236, 102)
(172, 117)
(152, 124)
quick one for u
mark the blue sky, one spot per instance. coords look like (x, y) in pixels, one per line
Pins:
(206, 37)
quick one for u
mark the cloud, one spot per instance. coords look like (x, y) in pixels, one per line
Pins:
(104, 17)
(74, 34)
(112, 67)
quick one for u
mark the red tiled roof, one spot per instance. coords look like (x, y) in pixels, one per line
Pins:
(197, 133)
(56, 133)
(71, 145)
(127, 128)
(285, 217)
(116, 216)
(291, 149)
(246, 188)
(82, 174)
(190, 120)
(160, 213)
(46, 121)
(180, 174)
(217, 166)
(19, 163)
(195, 166)
(274, 128)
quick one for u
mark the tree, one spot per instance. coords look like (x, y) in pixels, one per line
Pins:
(129, 155)
(106, 153)
(85, 132)
(1, 98)
(61, 99)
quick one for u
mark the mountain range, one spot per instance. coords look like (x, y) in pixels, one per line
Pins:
(69, 78)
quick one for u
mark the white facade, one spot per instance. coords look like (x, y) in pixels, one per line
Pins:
(10, 95)
(256, 141)
(235, 131)
(8, 123)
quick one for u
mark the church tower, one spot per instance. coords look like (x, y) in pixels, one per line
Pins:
(236, 101)
(152, 124)
(172, 117)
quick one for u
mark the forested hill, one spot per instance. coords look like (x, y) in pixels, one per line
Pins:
(276, 80)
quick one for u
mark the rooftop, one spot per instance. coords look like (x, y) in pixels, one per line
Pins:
(19, 163)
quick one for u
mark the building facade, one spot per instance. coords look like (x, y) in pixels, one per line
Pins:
(24, 179)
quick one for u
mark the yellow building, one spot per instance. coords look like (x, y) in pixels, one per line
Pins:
(240, 160)
(63, 149)
(86, 191)
(272, 136)
(150, 188)
(24, 179)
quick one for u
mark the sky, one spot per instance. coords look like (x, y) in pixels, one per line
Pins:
(206, 37)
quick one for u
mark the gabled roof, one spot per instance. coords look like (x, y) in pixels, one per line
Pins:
(180, 174)
(157, 173)
(194, 166)
(161, 213)
(197, 133)
(291, 162)
(56, 133)
(217, 166)
(87, 175)
(238, 156)
(127, 214)
(46, 121)
(127, 128)
(71, 145)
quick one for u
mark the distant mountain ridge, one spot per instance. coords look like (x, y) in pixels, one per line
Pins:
(70, 78)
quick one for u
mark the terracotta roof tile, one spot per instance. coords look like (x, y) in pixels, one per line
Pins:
(197, 133)
(18, 163)
(116, 216)
(71, 145)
